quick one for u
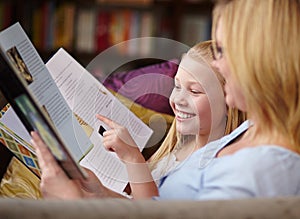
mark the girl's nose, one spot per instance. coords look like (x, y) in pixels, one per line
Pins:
(180, 98)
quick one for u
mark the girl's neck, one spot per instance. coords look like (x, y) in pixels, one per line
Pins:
(188, 145)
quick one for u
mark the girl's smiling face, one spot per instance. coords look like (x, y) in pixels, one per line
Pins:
(190, 105)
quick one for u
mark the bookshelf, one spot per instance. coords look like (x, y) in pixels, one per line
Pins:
(87, 27)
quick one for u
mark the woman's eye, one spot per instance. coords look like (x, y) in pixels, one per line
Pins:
(176, 86)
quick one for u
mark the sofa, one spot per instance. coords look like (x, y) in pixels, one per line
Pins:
(145, 106)
(277, 208)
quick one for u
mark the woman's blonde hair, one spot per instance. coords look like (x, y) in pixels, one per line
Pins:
(235, 117)
(261, 43)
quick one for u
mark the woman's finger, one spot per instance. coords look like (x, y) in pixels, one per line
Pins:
(46, 160)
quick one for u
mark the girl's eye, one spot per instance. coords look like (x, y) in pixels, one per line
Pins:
(196, 91)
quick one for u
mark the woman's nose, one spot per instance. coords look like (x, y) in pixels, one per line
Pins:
(215, 64)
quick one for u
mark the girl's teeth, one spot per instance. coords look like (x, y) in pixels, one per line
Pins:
(184, 115)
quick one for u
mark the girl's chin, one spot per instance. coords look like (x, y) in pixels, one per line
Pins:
(183, 130)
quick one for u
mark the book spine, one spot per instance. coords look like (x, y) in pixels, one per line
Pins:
(86, 31)
(102, 30)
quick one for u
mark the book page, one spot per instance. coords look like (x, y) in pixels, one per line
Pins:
(22, 53)
(87, 97)
(10, 118)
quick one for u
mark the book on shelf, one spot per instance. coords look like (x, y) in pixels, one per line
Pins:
(6, 14)
(127, 2)
(195, 28)
(86, 31)
(62, 27)
(62, 97)
(102, 30)
(50, 24)
(54, 24)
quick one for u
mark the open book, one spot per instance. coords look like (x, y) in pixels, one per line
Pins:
(69, 97)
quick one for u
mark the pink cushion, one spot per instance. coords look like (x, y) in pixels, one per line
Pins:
(148, 86)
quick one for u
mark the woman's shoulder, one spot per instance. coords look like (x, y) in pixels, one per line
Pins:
(263, 155)
(272, 159)
(267, 153)
(266, 170)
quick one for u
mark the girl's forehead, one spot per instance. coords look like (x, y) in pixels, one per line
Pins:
(199, 77)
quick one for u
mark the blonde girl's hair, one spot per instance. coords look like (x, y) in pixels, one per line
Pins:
(234, 116)
(261, 43)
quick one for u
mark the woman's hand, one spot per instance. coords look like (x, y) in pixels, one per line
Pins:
(118, 140)
(55, 184)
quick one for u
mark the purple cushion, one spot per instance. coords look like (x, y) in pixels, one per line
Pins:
(148, 86)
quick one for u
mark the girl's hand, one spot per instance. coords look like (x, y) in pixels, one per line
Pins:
(118, 140)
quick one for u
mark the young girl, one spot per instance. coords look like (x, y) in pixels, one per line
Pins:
(171, 152)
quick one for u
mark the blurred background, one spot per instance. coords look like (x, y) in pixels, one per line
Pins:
(87, 27)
